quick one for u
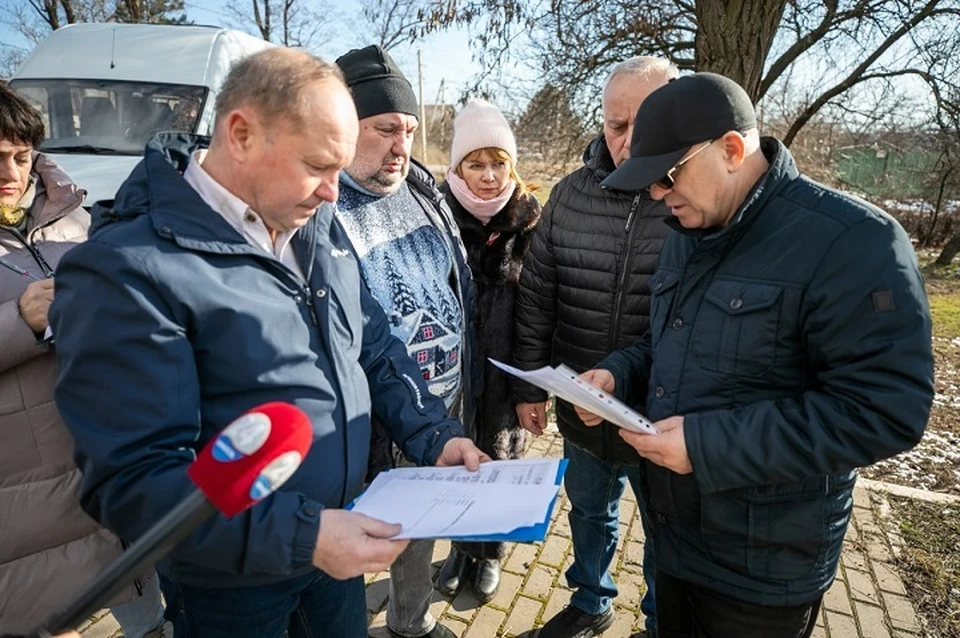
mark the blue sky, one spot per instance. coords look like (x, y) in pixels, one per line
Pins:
(447, 62)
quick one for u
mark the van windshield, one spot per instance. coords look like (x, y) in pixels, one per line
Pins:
(107, 117)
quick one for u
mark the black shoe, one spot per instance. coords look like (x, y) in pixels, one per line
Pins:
(438, 631)
(486, 582)
(573, 623)
(453, 574)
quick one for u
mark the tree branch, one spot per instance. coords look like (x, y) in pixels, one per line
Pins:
(929, 10)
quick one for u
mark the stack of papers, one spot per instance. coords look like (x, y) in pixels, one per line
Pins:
(502, 501)
(567, 384)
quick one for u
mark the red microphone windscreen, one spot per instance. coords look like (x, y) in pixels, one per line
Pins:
(252, 456)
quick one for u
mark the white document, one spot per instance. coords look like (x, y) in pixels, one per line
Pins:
(567, 384)
(444, 502)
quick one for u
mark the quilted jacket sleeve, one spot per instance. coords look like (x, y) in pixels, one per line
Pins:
(536, 306)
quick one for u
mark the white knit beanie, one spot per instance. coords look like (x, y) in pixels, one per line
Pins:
(480, 125)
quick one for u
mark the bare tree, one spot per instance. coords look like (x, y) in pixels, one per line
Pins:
(149, 11)
(292, 23)
(10, 59)
(947, 171)
(34, 19)
(550, 134)
(394, 22)
(841, 43)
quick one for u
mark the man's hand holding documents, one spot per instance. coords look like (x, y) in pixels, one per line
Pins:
(569, 386)
(509, 500)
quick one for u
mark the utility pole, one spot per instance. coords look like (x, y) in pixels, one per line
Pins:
(423, 109)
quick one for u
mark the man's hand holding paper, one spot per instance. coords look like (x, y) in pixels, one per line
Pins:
(351, 544)
(462, 451)
(598, 378)
(669, 449)
(569, 386)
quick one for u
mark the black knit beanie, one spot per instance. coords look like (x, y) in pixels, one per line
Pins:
(376, 83)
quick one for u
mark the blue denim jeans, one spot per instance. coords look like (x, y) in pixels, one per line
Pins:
(307, 606)
(594, 487)
(144, 613)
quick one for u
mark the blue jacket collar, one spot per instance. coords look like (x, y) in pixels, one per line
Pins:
(156, 188)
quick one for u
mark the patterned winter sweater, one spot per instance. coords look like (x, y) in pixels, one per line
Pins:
(407, 266)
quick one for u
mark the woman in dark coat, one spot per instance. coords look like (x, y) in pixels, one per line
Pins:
(496, 213)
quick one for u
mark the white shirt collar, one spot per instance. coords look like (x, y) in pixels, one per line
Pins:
(241, 217)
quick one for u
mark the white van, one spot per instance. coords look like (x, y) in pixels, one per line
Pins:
(105, 89)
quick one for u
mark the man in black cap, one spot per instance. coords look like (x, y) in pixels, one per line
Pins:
(789, 345)
(412, 260)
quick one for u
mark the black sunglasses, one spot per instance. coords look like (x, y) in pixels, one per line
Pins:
(667, 181)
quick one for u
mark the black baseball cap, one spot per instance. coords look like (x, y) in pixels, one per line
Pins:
(685, 112)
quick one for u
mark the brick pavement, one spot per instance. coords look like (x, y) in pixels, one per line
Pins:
(868, 599)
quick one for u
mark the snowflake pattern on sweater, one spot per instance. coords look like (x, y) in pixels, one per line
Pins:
(407, 266)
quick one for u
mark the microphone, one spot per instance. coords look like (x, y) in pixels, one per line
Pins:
(244, 464)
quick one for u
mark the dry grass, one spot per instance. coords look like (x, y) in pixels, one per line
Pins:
(930, 562)
(935, 463)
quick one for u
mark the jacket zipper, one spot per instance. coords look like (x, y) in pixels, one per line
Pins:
(618, 299)
(310, 306)
(625, 261)
(34, 252)
(28, 240)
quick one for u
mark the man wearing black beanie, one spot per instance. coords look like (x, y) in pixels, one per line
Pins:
(412, 260)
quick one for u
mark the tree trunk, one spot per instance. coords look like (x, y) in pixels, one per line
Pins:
(926, 241)
(949, 251)
(734, 38)
(68, 12)
(263, 23)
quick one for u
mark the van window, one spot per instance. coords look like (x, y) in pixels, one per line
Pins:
(106, 117)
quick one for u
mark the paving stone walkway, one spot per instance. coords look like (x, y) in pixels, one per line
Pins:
(868, 599)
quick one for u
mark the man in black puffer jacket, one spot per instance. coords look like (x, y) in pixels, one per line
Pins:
(583, 294)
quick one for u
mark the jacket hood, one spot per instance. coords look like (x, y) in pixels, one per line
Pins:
(597, 157)
(60, 192)
(155, 188)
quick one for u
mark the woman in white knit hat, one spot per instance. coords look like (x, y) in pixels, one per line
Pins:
(496, 213)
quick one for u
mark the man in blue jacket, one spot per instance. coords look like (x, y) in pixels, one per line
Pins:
(217, 281)
(789, 344)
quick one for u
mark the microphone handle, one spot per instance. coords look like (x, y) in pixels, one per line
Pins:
(176, 525)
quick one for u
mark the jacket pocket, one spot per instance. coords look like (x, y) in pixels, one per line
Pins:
(774, 532)
(787, 529)
(723, 528)
(663, 287)
(737, 329)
